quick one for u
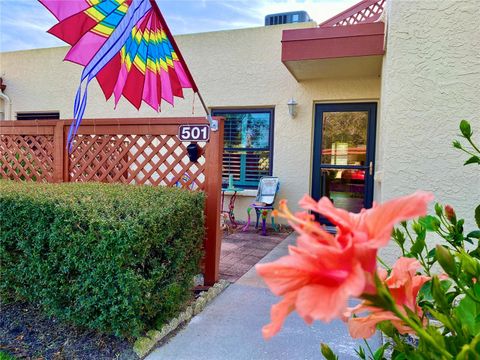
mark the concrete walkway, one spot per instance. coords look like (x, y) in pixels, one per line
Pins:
(230, 328)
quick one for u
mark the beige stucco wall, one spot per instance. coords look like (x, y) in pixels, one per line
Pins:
(238, 68)
(430, 81)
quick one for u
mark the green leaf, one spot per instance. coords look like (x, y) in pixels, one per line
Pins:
(472, 160)
(476, 252)
(398, 237)
(431, 254)
(327, 352)
(417, 227)
(438, 293)
(471, 350)
(469, 312)
(465, 129)
(469, 264)
(438, 209)
(474, 234)
(361, 353)
(425, 292)
(418, 245)
(431, 223)
(437, 337)
(378, 354)
(456, 144)
(477, 215)
(446, 320)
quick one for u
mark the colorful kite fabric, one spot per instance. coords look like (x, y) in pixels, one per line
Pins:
(126, 45)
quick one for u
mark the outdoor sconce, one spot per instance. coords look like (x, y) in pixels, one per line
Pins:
(292, 107)
(193, 152)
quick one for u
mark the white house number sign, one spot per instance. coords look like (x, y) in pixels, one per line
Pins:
(194, 133)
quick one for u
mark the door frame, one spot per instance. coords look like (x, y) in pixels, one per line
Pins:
(320, 108)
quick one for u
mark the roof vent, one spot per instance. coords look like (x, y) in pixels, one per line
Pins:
(287, 18)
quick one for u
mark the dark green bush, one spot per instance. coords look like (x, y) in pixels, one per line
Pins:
(116, 258)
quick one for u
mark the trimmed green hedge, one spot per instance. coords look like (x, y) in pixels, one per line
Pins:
(116, 258)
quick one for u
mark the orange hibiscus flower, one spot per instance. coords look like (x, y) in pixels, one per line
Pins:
(371, 229)
(323, 271)
(404, 286)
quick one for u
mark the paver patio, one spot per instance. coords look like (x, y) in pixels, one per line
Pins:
(242, 250)
(230, 328)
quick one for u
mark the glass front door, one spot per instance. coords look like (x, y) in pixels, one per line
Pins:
(343, 160)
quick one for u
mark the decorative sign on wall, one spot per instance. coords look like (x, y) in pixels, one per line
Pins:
(191, 133)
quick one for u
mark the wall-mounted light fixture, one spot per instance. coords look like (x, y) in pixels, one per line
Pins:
(292, 107)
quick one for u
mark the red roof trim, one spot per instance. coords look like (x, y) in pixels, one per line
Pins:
(364, 12)
(328, 43)
(333, 32)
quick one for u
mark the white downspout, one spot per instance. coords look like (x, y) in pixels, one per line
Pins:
(8, 108)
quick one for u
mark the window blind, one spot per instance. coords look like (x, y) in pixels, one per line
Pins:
(247, 145)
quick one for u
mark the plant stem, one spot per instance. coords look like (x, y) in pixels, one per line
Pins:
(468, 152)
(383, 263)
(420, 257)
(369, 348)
(409, 236)
(421, 332)
(465, 290)
(473, 145)
(442, 219)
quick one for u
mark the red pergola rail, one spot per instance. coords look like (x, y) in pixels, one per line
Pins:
(141, 151)
(364, 12)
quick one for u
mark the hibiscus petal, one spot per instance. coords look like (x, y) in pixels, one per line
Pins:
(379, 221)
(365, 327)
(325, 302)
(325, 207)
(278, 313)
(367, 256)
(287, 274)
(403, 271)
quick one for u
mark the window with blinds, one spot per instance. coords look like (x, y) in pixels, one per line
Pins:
(248, 145)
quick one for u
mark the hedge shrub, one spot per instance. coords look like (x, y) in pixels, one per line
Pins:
(116, 258)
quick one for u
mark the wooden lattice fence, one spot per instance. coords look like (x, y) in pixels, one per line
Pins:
(132, 151)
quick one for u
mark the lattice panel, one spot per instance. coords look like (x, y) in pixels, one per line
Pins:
(26, 157)
(159, 160)
(365, 15)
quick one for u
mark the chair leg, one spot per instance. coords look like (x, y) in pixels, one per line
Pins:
(258, 217)
(264, 222)
(274, 226)
(245, 228)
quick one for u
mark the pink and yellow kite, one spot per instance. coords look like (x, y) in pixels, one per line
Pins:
(126, 45)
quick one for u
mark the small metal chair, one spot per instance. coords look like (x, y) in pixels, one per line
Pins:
(268, 187)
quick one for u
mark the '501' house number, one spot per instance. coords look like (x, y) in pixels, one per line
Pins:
(194, 132)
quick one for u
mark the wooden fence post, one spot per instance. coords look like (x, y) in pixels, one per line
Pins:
(213, 188)
(58, 152)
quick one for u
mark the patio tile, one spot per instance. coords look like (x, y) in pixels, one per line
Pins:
(242, 250)
(226, 246)
(264, 245)
(259, 253)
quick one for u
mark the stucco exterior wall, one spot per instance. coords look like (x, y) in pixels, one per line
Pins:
(430, 81)
(238, 68)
